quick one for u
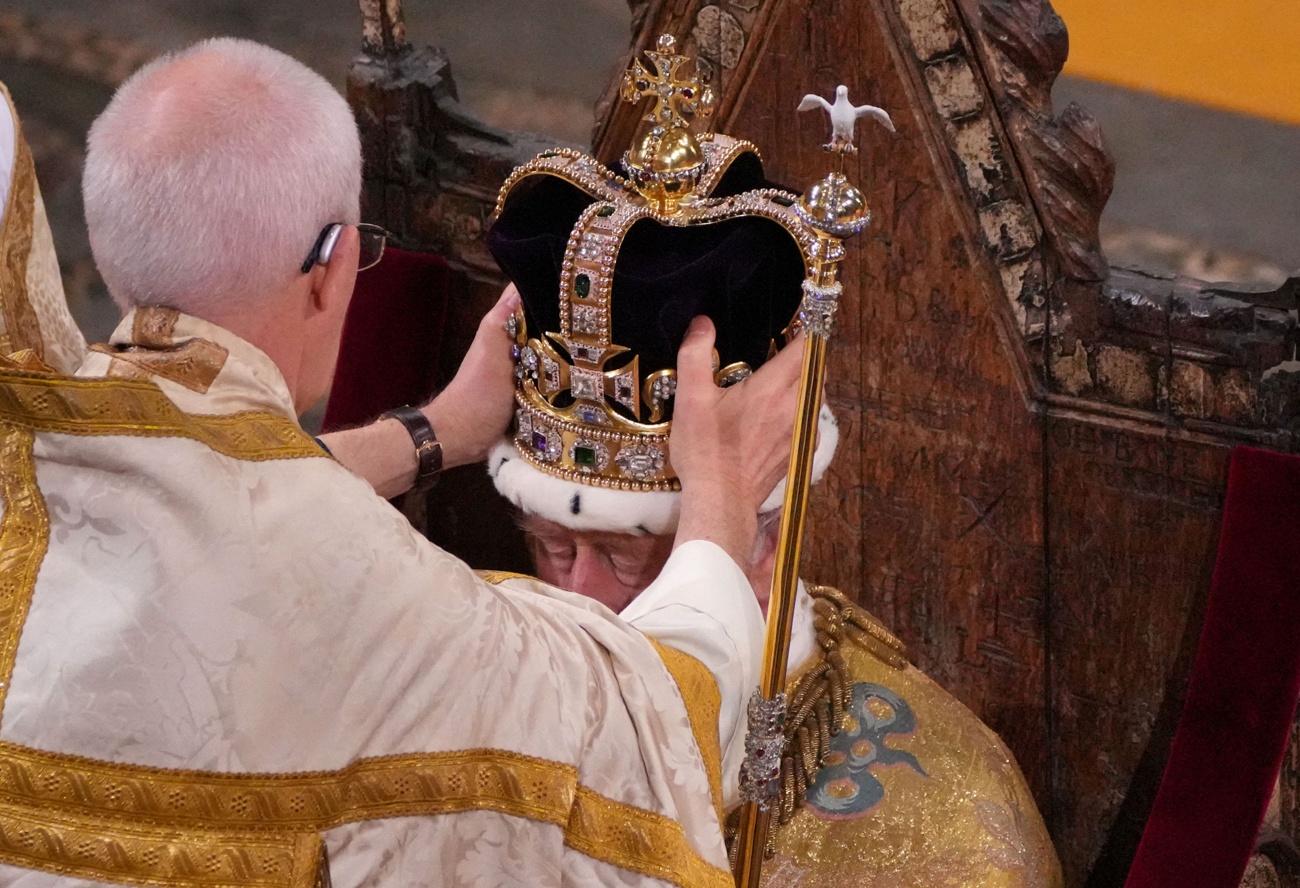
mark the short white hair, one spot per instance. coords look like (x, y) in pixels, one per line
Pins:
(211, 173)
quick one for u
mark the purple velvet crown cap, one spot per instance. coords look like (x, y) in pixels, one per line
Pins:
(744, 273)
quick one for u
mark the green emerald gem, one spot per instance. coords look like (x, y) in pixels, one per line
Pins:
(606, 210)
(582, 286)
(584, 457)
(551, 153)
(782, 200)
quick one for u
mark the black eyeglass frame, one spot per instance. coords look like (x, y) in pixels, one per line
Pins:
(323, 249)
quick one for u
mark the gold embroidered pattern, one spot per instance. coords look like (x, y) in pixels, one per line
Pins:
(21, 328)
(194, 363)
(71, 796)
(699, 691)
(76, 406)
(497, 577)
(114, 850)
(154, 327)
(25, 359)
(24, 536)
(639, 841)
(370, 789)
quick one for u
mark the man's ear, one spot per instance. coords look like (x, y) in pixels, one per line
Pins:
(333, 282)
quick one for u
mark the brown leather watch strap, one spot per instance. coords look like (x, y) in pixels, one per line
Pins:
(427, 448)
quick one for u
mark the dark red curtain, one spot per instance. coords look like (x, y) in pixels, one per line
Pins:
(1234, 728)
(391, 338)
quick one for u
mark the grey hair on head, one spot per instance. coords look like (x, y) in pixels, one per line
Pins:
(210, 174)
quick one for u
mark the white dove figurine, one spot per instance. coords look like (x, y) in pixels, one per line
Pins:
(843, 117)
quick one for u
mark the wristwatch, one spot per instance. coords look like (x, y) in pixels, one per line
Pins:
(428, 450)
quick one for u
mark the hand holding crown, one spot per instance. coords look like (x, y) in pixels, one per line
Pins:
(844, 117)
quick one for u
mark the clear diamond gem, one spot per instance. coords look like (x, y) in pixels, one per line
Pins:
(586, 384)
(586, 319)
(662, 391)
(732, 377)
(640, 462)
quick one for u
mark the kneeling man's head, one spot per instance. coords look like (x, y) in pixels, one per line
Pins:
(611, 546)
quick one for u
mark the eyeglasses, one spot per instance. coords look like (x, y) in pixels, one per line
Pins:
(373, 239)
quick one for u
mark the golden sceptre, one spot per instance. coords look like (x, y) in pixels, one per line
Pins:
(836, 211)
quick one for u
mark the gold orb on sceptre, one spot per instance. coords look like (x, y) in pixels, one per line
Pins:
(834, 207)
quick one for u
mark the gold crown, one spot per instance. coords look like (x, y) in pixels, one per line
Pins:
(585, 413)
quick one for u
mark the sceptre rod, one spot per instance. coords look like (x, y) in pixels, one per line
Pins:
(751, 838)
(835, 210)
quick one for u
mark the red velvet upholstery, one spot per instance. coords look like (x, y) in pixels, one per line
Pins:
(391, 339)
(1236, 721)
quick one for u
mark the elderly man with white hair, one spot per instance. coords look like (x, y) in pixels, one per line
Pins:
(224, 660)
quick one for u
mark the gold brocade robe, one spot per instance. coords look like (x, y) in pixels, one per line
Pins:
(914, 791)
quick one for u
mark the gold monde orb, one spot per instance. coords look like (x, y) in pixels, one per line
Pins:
(665, 164)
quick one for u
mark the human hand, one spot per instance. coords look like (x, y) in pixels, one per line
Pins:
(471, 414)
(730, 446)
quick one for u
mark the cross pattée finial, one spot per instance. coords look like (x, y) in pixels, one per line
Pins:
(678, 97)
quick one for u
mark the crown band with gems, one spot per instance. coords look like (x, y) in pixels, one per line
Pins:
(588, 441)
(578, 451)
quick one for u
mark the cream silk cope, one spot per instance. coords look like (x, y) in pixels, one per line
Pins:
(190, 583)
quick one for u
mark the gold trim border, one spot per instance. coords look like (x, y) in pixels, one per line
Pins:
(72, 797)
(21, 327)
(497, 577)
(24, 538)
(131, 407)
(130, 854)
(699, 692)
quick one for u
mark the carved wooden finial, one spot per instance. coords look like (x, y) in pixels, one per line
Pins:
(383, 29)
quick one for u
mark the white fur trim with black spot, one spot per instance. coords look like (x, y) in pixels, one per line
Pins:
(586, 508)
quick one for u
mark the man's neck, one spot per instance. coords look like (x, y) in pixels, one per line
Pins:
(276, 326)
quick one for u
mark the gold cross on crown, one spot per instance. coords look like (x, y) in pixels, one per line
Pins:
(678, 97)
